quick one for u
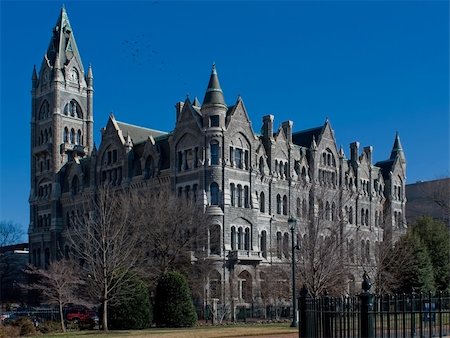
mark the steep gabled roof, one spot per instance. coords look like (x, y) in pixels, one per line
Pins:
(139, 134)
(305, 137)
(386, 167)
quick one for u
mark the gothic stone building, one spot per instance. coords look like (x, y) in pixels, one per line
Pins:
(249, 183)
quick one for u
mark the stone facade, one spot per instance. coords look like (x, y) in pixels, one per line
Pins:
(249, 183)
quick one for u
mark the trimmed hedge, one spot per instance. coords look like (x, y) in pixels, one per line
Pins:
(173, 303)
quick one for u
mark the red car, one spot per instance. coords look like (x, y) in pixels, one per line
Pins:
(81, 316)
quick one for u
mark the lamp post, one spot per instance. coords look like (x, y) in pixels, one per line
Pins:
(292, 225)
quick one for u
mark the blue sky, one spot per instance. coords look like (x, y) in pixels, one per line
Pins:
(371, 67)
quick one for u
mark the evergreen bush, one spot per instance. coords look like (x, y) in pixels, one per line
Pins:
(133, 310)
(173, 303)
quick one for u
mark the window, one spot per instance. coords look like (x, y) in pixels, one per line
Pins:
(214, 121)
(245, 286)
(299, 208)
(278, 204)
(214, 239)
(233, 238)
(239, 195)
(327, 211)
(262, 202)
(233, 194)
(214, 190)
(180, 160)
(240, 235)
(75, 185)
(238, 157)
(66, 135)
(72, 136)
(264, 243)
(285, 205)
(78, 141)
(149, 167)
(214, 147)
(73, 109)
(247, 239)
(246, 197)
(215, 282)
(304, 209)
(261, 165)
(44, 112)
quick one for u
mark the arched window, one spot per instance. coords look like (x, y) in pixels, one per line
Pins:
(366, 217)
(246, 197)
(73, 109)
(264, 243)
(368, 251)
(214, 239)
(239, 195)
(240, 238)
(278, 204)
(78, 137)
(299, 208)
(245, 286)
(44, 112)
(285, 205)
(333, 211)
(286, 170)
(233, 238)
(247, 239)
(262, 202)
(72, 136)
(303, 173)
(233, 194)
(352, 251)
(66, 135)
(350, 215)
(214, 191)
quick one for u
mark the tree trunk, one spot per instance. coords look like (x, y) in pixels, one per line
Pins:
(105, 315)
(61, 314)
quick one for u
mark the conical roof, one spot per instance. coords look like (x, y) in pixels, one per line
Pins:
(397, 149)
(214, 94)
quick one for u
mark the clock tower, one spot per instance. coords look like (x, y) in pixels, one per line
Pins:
(61, 129)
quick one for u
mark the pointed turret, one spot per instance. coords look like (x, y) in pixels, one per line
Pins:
(62, 45)
(90, 77)
(214, 94)
(34, 78)
(397, 150)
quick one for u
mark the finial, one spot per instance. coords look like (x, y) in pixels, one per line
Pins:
(366, 284)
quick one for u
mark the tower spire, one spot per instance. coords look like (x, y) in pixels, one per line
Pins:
(397, 149)
(214, 94)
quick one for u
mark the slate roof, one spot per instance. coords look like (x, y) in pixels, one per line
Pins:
(139, 134)
(304, 137)
(385, 167)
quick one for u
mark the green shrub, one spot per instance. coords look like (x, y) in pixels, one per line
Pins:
(133, 310)
(173, 302)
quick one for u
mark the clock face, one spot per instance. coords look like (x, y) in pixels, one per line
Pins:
(73, 75)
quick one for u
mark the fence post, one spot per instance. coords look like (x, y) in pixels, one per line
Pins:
(326, 310)
(307, 315)
(367, 316)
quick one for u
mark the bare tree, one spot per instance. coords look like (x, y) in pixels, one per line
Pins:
(107, 241)
(58, 284)
(175, 231)
(274, 292)
(321, 264)
(10, 233)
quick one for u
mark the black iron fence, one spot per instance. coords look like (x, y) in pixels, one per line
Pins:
(368, 315)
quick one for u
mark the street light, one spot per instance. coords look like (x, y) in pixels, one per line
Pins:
(292, 225)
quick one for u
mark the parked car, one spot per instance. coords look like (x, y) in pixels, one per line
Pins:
(81, 316)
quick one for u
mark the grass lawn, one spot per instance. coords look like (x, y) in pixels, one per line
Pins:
(274, 330)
